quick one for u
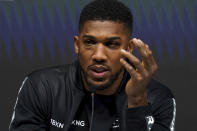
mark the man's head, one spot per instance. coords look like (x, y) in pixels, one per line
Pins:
(110, 10)
(105, 28)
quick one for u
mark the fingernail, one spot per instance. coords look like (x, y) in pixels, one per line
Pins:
(139, 40)
(140, 43)
(122, 60)
(147, 46)
(123, 51)
(135, 39)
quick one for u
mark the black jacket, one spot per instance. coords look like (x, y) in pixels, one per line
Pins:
(49, 100)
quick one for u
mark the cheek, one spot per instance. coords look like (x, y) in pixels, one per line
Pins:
(84, 58)
(114, 55)
(115, 60)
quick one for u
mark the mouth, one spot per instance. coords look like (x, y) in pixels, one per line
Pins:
(99, 72)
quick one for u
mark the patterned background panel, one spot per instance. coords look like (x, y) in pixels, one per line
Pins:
(39, 33)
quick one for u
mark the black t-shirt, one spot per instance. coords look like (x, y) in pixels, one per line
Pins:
(105, 115)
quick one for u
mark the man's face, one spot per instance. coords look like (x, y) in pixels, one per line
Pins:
(98, 48)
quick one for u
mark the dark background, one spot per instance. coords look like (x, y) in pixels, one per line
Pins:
(39, 33)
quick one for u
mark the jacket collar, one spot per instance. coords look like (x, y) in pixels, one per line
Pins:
(78, 93)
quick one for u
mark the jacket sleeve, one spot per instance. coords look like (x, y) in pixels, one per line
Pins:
(162, 118)
(29, 113)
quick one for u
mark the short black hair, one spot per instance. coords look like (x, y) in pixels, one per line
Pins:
(111, 10)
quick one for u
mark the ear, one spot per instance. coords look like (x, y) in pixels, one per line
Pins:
(76, 44)
(130, 46)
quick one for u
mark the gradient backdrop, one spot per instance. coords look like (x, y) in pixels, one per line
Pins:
(39, 33)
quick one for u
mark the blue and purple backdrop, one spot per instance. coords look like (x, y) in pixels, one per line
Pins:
(39, 33)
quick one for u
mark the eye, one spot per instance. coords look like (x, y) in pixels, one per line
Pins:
(89, 42)
(112, 44)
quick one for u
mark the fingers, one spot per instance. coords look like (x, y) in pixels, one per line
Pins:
(137, 63)
(129, 68)
(146, 54)
(148, 65)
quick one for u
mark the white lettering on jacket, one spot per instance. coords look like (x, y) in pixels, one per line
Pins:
(57, 124)
(150, 121)
(78, 123)
(115, 124)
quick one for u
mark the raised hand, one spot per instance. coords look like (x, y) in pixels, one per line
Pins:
(140, 75)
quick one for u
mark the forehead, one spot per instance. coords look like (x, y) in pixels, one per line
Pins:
(103, 28)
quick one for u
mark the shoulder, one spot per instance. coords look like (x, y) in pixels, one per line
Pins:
(163, 104)
(47, 73)
(53, 73)
(51, 79)
(48, 82)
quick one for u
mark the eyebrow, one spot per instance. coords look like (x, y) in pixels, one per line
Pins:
(110, 38)
(88, 36)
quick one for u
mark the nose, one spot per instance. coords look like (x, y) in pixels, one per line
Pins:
(99, 54)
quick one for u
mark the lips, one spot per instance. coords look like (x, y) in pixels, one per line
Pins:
(98, 72)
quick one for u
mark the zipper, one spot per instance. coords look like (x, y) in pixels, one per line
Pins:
(92, 116)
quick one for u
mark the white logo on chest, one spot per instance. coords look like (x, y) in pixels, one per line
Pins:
(78, 123)
(57, 124)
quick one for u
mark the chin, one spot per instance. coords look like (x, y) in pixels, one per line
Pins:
(99, 85)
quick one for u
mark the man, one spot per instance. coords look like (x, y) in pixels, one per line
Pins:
(106, 89)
